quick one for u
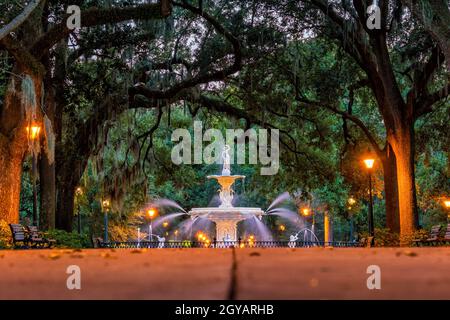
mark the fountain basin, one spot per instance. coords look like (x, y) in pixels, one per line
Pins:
(226, 219)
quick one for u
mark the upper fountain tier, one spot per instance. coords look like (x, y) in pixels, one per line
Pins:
(226, 180)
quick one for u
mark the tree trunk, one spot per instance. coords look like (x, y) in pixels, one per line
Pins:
(48, 193)
(402, 141)
(391, 191)
(13, 145)
(66, 197)
(11, 156)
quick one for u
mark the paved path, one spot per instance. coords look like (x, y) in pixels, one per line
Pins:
(315, 273)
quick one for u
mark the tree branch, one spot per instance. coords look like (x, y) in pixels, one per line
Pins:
(94, 17)
(214, 75)
(18, 20)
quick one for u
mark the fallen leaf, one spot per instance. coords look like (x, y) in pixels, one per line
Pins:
(77, 255)
(138, 250)
(107, 255)
(255, 254)
(54, 256)
(409, 253)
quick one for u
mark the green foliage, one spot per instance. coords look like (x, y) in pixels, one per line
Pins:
(69, 239)
(384, 237)
(5, 235)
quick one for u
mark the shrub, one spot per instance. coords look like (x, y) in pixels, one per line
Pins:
(5, 235)
(421, 234)
(120, 233)
(66, 239)
(384, 237)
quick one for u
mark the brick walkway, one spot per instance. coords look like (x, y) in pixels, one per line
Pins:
(314, 273)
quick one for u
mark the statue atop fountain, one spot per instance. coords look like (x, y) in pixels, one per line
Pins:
(226, 216)
(226, 171)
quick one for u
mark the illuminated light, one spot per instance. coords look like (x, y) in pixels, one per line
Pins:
(175, 232)
(351, 201)
(369, 163)
(165, 224)
(33, 131)
(306, 212)
(241, 245)
(152, 212)
(282, 227)
(79, 191)
(106, 205)
(447, 203)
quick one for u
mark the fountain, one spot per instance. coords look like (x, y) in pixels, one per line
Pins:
(225, 216)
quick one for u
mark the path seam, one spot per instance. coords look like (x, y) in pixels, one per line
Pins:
(233, 280)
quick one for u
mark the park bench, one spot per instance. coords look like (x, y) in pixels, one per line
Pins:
(28, 237)
(19, 236)
(447, 235)
(433, 237)
(36, 239)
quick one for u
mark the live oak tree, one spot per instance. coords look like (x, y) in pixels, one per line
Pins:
(117, 61)
(399, 102)
(31, 47)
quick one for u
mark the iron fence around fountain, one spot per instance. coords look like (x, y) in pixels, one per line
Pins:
(225, 244)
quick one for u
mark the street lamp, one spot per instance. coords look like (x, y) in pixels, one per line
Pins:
(447, 205)
(369, 165)
(106, 206)
(33, 131)
(79, 193)
(152, 212)
(351, 201)
(307, 212)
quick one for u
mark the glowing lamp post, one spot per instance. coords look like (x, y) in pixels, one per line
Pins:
(79, 193)
(151, 213)
(306, 212)
(447, 205)
(106, 206)
(33, 132)
(369, 165)
(351, 201)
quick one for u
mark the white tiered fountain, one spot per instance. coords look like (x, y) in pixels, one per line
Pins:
(226, 217)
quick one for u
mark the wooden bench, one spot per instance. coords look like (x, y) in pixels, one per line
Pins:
(19, 235)
(433, 237)
(447, 234)
(36, 239)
